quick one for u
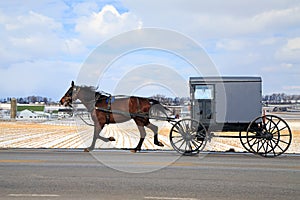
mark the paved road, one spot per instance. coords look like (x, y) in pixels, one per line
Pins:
(53, 174)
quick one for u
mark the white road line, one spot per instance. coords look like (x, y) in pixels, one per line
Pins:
(33, 195)
(170, 198)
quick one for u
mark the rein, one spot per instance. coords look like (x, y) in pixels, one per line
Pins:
(86, 121)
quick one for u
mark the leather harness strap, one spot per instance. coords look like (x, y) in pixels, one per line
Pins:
(138, 105)
(108, 108)
(110, 99)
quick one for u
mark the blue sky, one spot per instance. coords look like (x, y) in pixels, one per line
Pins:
(44, 44)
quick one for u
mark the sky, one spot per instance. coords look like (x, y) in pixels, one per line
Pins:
(46, 44)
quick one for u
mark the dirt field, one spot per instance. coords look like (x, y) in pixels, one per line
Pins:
(40, 135)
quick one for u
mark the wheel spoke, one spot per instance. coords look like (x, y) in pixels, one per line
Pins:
(276, 125)
(265, 124)
(258, 148)
(177, 136)
(280, 148)
(281, 129)
(181, 144)
(180, 128)
(262, 146)
(190, 146)
(195, 144)
(178, 141)
(266, 146)
(185, 127)
(255, 142)
(273, 149)
(281, 141)
(175, 131)
(270, 124)
(201, 132)
(186, 144)
(269, 144)
(252, 139)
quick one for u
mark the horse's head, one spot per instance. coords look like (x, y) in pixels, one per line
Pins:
(67, 99)
(84, 93)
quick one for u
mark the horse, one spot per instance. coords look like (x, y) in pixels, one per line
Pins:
(125, 108)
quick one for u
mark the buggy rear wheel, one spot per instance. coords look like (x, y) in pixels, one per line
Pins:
(188, 136)
(268, 136)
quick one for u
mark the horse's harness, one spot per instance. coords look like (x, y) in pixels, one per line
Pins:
(109, 99)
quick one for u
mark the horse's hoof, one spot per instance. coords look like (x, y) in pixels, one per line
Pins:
(111, 139)
(86, 150)
(159, 144)
(135, 150)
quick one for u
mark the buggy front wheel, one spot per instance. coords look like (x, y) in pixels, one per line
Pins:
(188, 136)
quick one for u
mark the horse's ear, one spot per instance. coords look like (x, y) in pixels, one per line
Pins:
(72, 84)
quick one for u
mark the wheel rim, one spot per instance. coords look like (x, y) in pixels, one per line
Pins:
(188, 136)
(244, 141)
(268, 136)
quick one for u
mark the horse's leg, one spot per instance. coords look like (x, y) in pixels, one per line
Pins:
(154, 128)
(97, 130)
(142, 138)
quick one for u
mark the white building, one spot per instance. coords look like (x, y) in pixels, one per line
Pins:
(30, 115)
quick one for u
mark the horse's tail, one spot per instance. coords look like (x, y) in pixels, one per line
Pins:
(157, 106)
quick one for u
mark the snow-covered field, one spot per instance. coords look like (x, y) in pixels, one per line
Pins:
(73, 134)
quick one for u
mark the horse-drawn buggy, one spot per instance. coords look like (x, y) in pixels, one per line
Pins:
(230, 104)
(218, 104)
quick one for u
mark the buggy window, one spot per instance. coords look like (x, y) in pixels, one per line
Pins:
(204, 92)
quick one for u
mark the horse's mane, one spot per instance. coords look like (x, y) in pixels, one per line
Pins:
(88, 88)
(93, 90)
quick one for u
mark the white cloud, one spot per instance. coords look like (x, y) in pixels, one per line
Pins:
(287, 65)
(33, 22)
(29, 36)
(231, 44)
(74, 46)
(85, 8)
(277, 19)
(103, 25)
(282, 69)
(210, 19)
(41, 77)
(292, 87)
(293, 44)
(242, 37)
(269, 41)
(38, 48)
(33, 36)
(290, 51)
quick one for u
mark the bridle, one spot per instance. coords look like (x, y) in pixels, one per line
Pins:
(75, 92)
(72, 94)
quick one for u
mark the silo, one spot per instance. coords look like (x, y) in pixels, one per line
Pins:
(13, 108)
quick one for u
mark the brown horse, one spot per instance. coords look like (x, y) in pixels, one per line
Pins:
(106, 109)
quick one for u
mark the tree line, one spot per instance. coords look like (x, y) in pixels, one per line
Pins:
(176, 101)
(280, 97)
(169, 101)
(28, 100)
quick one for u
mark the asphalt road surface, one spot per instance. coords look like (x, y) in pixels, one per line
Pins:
(58, 174)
